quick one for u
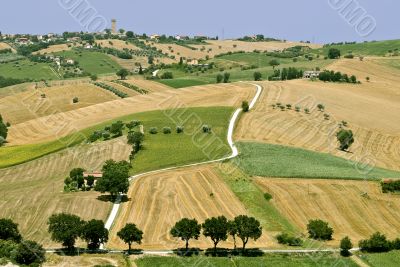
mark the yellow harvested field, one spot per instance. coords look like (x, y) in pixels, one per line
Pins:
(130, 64)
(53, 49)
(214, 47)
(353, 208)
(49, 127)
(29, 105)
(32, 192)
(370, 110)
(86, 260)
(158, 201)
(117, 44)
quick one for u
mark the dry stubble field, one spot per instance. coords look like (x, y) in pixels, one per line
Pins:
(353, 208)
(159, 200)
(29, 105)
(33, 191)
(48, 127)
(370, 110)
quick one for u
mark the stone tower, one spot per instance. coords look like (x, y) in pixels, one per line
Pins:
(114, 26)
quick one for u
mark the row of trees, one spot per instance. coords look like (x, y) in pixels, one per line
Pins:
(286, 74)
(331, 76)
(218, 229)
(223, 77)
(13, 247)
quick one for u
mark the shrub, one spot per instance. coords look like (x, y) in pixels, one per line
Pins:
(289, 106)
(297, 108)
(345, 246)
(206, 129)
(7, 247)
(307, 110)
(267, 196)
(179, 129)
(290, 240)
(29, 252)
(227, 76)
(220, 77)
(167, 75)
(321, 107)
(245, 106)
(153, 130)
(318, 229)
(166, 130)
(106, 135)
(75, 100)
(257, 76)
(327, 116)
(376, 243)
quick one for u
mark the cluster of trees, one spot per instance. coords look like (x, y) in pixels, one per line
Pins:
(379, 243)
(319, 230)
(111, 89)
(3, 131)
(167, 75)
(290, 52)
(76, 181)
(218, 229)
(4, 82)
(334, 53)
(115, 179)
(5, 51)
(331, 76)
(13, 247)
(390, 186)
(286, 74)
(345, 139)
(131, 86)
(258, 38)
(223, 77)
(113, 131)
(123, 73)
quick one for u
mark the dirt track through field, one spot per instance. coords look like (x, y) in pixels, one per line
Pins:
(58, 125)
(353, 208)
(157, 201)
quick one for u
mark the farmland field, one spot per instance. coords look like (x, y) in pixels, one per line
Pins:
(353, 208)
(312, 260)
(388, 259)
(53, 49)
(33, 191)
(25, 69)
(181, 83)
(159, 200)
(117, 44)
(30, 105)
(92, 62)
(43, 129)
(272, 161)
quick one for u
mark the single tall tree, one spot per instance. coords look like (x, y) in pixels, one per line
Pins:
(94, 233)
(129, 234)
(115, 178)
(186, 229)
(123, 73)
(65, 228)
(274, 63)
(217, 229)
(247, 227)
(345, 138)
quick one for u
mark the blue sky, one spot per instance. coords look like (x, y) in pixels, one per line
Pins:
(314, 20)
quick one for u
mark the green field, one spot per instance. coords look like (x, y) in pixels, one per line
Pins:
(159, 150)
(280, 161)
(275, 260)
(92, 62)
(380, 48)
(26, 69)
(253, 199)
(183, 82)
(388, 259)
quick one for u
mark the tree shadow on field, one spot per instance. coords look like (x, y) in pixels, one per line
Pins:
(109, 198)
(183, 252)
(223, 252)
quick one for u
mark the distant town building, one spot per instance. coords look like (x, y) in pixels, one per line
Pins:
(154, 36)
(311, 74)
(22, 41)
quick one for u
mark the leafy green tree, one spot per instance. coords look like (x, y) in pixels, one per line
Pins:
(116, 128)
(90, 181)
(186, 229)
(94, 233)
(321, 107)
(220, 78)
(135, 139)
(245, 106)
(232, 231)
(167, 75)
(318, 229)
(274, 63)
(9, 230)
(150, 60)
(217, 229)
(65, 228)
(115, 178)
(345, 138)
(345, 246)
(93, 77)
(376, 243)
(129, 34)
(3, 129)
(123, 73)
(129, 234)
(247, 227)
(257, 76)
(334, 53)
(227, 76)
(29, 252)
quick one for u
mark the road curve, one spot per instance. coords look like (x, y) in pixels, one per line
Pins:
(114, 212)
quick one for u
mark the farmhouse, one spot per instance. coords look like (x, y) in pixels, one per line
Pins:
(154, 37)
(311, 74)
(96, 175)
(23, 41)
